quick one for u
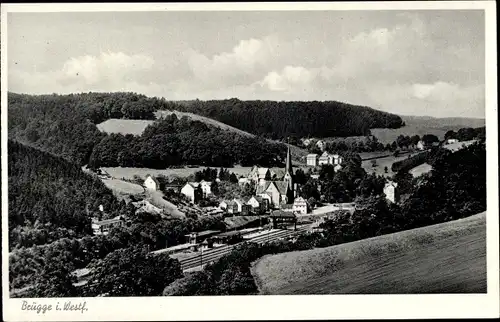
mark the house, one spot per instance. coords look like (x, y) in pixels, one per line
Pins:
(300, 206)
(193, 191)
(224, 204)
(324, 158)
(421, 145)
(239, 205)
(306, 142)
(287, 207)
(391, 192)
(321, 145)
(206, 188)
(232, 207)
(312, 160)
(258, 203)
(337, 168)
(243, 181)
(275, 191)
(258, 174)
(103, 227)
(315, 176)
(451, 141)
(151, 183)
(337, 159)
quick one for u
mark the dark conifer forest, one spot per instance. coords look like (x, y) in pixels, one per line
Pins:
(51, 198)
(278, 120)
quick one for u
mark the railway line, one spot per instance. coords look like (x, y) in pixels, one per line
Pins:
(214, 254)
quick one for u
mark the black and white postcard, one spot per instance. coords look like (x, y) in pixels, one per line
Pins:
(252, 161)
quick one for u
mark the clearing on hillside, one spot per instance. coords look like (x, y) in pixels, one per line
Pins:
(378, 165)
(420, 169)
(134, 127)
(298, 154)
(443, 258)
(120, 187)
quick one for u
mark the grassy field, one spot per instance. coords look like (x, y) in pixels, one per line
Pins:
(121, 187)
(420, 169)
(425, 125)
(135, 127)
(381, 163)
(156, 199)
(443, 258)
(128, 173)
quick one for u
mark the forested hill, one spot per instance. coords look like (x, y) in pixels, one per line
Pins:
(51, 198)
(65, 125)
(277, 120)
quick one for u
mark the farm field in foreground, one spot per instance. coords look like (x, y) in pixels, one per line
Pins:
(135, 127)
(443, 258)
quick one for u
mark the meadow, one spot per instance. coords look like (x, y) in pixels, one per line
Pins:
(381, 163)
(420, 125)
(122, 126)
(443, 258)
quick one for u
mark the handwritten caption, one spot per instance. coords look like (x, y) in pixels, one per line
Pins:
(44, 308)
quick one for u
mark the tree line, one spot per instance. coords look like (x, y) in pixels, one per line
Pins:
(279, 120)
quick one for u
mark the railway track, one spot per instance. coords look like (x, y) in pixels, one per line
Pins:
(214, 254)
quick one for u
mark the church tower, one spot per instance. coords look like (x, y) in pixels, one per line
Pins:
(288, 179)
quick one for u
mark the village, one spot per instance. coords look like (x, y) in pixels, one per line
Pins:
(275, 210)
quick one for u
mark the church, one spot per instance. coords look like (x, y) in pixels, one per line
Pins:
(277, 192)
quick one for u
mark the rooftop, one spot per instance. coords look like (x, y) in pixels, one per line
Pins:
(204, 233)
(282, 214)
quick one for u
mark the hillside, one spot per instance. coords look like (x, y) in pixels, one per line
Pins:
(70, 126)
(279, 120)
(420, 125)
(51, 198)
(443, 258)
(298, 154)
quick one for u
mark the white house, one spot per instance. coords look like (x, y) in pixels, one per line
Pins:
(421, 145)
(192, 191)
(258, 203)
(300, 206)
(206, 188)
(391, 191)
(239, 205)
(312, 159)
(151, 183)
(321, 145)
(451, 141)
(224, 204)
(324, 158)
(337, 168)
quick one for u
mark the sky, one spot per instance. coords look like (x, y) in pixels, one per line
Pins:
(405, 62)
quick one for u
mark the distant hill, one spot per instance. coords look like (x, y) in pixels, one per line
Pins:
(420, 125)
(443, 258)
(279, 120)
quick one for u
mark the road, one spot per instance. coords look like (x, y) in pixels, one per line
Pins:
(216, 253)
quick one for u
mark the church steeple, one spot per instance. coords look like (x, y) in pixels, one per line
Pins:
(288, 164)
(289, 177)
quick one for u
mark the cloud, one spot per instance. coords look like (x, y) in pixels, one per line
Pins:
(241, 61)
(111, 71)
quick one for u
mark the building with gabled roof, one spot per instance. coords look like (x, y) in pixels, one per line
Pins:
(192, 191)
(152, 183)
(391, 192)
